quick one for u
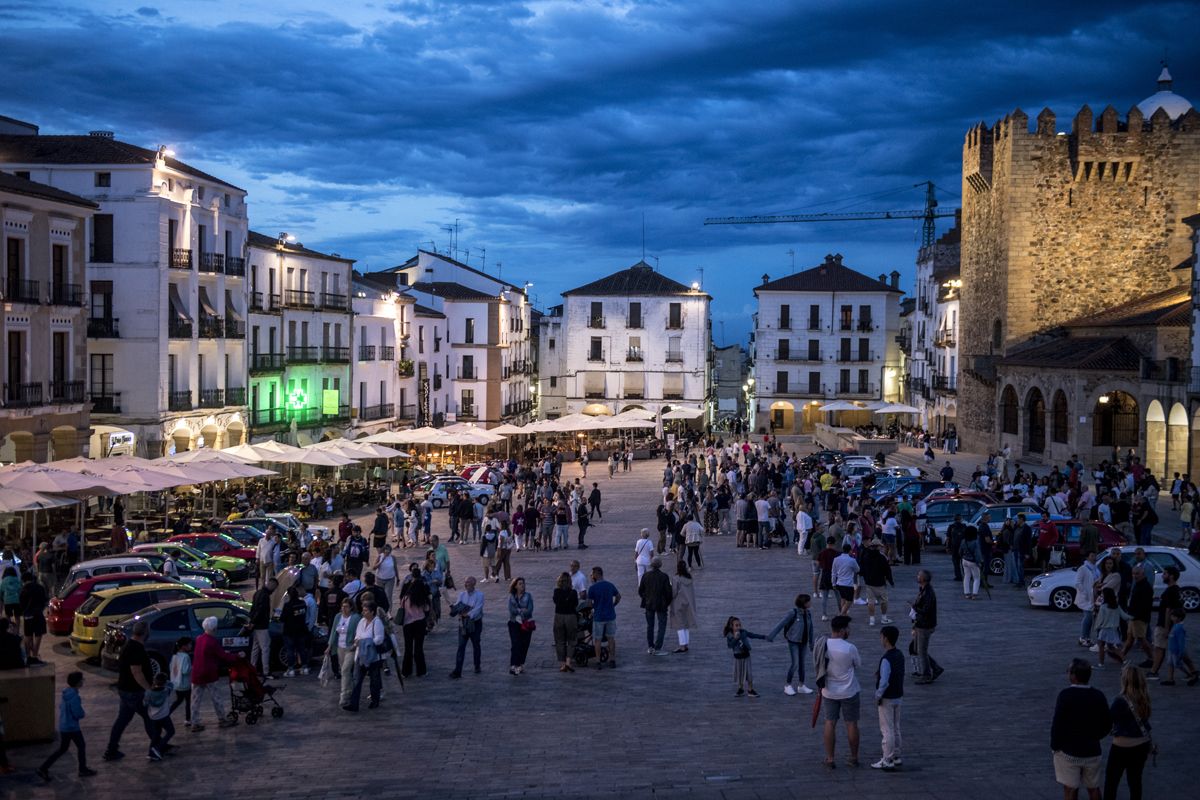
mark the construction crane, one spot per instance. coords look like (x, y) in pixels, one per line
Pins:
(928, 214)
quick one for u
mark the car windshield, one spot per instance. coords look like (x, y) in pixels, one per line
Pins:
(66, 591)
(91, 604)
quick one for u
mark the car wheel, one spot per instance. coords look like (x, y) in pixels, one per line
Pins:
(437, 502)
(1191, 600)
(1062, 599)
(158, 665)
(996, 565)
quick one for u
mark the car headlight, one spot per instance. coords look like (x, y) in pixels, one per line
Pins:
(1035, 584)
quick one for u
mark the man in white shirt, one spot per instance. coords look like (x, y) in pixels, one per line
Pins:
(845, 578)
(578, 579)
(469, 610)
(840, 692)
(762, 509)
(266, 551)
(804, 525)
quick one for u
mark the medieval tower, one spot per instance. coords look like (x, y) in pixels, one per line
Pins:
(1057, 224)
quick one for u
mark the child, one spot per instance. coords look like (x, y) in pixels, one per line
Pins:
(181, 678)
(70, 711)
(1106, 628)
(1177, 652)
(158, 708)
(738, 639)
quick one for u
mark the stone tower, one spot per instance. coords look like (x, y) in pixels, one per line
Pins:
(1057, 224)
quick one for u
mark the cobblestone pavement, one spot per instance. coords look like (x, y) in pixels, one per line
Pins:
(667, 726)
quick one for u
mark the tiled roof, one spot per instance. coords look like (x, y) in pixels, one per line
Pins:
(18, 149)
(1170, 308)
(261, 240)
(426, 311)
(412, 262)
(15, 185)
(1102, 354)
(831, 276)
(382, 281)
(451, 291)
(640, 279)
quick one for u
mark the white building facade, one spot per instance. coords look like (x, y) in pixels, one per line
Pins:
(384, 390)
(823, 334)
(635, 338)
(166, 290)
(931, 380)
(552, 389)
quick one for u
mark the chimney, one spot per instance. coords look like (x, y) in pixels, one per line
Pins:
(883, 279)
(766, 279)
(101, 134)
(895, 279)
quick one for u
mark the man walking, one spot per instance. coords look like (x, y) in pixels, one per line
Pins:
(924, 622)
(604, 598)
(1170, 599)
(133, 681)
(655, 591)
(877, 576)
(594, 502)
(1081, 721)
(889, 689)
(837, 676)
(260, 625)
(469, 609)
(845, 578)
(954, 535)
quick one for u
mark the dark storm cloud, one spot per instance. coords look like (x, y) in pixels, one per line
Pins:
(554, 127)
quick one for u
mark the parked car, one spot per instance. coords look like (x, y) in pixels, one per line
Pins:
(438, 491)
(169, 621)
(235, 569)
(825, 457)
(940, 512)
(60, 616)
(1057, 589)
(1070, 529)
(216, 544)
(245, 535)
(200, 577)
(997, 513)
(108, 565)
(288, 521)
(110, 605)
(912, 491)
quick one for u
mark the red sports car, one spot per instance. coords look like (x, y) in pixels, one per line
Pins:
(60, 617)
(216, 544)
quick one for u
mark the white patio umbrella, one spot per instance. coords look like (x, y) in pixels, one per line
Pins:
(387, 437)
(273, 449)
(617, 422)
(358, 449)
(508, 429)
(204, 454)
(543, 426)
(14, 500)
(45, 478)
(640, 413)
(683, 413)
(248, 452)
(319, 458)
(897, 408)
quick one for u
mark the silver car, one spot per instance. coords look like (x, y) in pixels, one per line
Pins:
(1057, 589)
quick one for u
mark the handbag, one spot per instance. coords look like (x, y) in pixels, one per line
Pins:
(529, 626)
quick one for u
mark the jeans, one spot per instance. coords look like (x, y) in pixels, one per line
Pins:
(1143, 534)
(132, 704)
(764, 533)
(889, 726)
(1130, 761)
(796, 670)
(562, 536)
(375, 673)
(970, 572)
(165, 729)
(565, 633)
(414, 648)
(65, 738)
(518, 639)
(1085, 625)
(453, 528)
(473, 638)
(661, 618)
(260, 651)
(1016, 568)
(296, 647)
(925, 663)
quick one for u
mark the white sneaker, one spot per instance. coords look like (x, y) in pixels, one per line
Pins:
(1094, 648)
(788, 690)
(860, 602)
(885, 620)
(291, 673)
(304, 671)
(802, 689)
(824, 618)
(870, 620)
(884, 764)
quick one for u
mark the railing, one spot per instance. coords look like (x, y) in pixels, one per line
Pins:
(366, 352)
(335, 354)
(212, 398)
(945, 383)
(847, 389)
(943, 338)
(915, 384)
(387, 352)
(335, 301)
(104, 328)
(234, 328)
(634, 322)
(381, 411)
(471, 374)
(66, 294)
(179, 400)
(276, 301)
(298, 298)
(179, 328)
(342, 413)
(845, 324)
(677, 325)
(674, 358)
(256, 302)
(264, 417)
(235, 266)
(266, 362)
(211, 262)
(467, 411)
(635, 396)
(595, 322)
(814, 324)
(865, 325)
(634, 354)
(785, 324)
(594, 394)
(407, 411)
(235, 396)
(181, 258)
(22, 291)
(109, 403)
(672, 395)
(304, 417)
(303, 355)
(595, 356)
(66, 391)
(855, 357)
(212, 327)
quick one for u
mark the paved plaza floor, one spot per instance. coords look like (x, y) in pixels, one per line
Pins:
(655, 726)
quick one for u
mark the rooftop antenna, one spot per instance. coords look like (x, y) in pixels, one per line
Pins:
(655, 261)
(792, 253)
(722, 333)
(467, 260)
(433, 245)
(644, 236)
(483, 259)
(449, 229)
(456, 236)
(499, 269)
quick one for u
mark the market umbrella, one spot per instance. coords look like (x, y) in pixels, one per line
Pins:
(508, 429)
(683, 413)
(203, 454)
(840, 405)
(272, 450)
(543, 426)
(248, 452)
(358, 449)
(14, 500)
(639, 413)
(45, 478)
(318, 458)
(897, 408)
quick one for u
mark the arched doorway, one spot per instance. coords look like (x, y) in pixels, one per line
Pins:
(208, 436)
(235, 434)
(1008, 410)
(1035, 422)
(1177, 441)
(1194, 464)
(783, 417)
(1156, 438)
(1115, 420)
(1059, 419)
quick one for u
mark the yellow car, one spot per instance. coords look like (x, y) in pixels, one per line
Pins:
(110, 605)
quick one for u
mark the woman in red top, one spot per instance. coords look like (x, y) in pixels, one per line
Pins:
(206, 669)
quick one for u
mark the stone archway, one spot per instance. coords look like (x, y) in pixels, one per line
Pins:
(1194, 465)
(1177, 441)
(1156, 439)
(1009, 412)
(1060, 419)
(1115, 421)
(1035, 422)
(783, 417)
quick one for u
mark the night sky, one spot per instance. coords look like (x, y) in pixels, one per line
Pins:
(549, 129)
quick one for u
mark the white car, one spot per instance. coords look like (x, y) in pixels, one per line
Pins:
(438, 490)
(1057, 589)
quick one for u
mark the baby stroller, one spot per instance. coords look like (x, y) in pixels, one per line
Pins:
(585, 647)
(778, 536)
(248, 694)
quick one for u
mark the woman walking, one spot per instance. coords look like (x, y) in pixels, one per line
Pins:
(414, 613)
(797, 630)
(488, 543)
(368, 661)
(504, 549)
(643, 552)
(341, 648)
(683, 606)
(520, 625)
(566, 620)
(1131, 743)
(971, 557)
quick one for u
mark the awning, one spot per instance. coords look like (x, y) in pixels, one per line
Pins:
(205, 305)
(230, 308)
(177, 306)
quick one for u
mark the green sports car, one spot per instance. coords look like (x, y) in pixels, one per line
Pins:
(235, 568)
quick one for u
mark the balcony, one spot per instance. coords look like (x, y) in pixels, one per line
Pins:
(22, 395)
(179, 328)
(408, 411)
(814, 324)
(856, 389)
(179, 400)
(266, 362)
(674, 358)
(66, 391)
(635, 396)
(404, 368)
(634, 354)
(595, 322)
(303, 355)
(66, 294)
(212, 327)
(212, 398)
(594, 394)
(256, 302)
(236, 396)
(437, 382)
(865, 325)
(332, 301)
(845, 324)
(945, 383)
(381, 411)
(467, 412)
(465, 374)
(335, 355)
(106, 403)
(366, 352)
(855, 358)
(235, 266)
(103, 328)
(211, 263)
(915, 385)
(298, 298)
(268, 417)
(634, 322)
(785, 324)
(672, 395)
(387, 352)
(21, 291)
(675, 325)
(944, 338)
(234, 328)
(595, 356)
(905, 345)
(181, 258)
(274, 302)
(342, 414)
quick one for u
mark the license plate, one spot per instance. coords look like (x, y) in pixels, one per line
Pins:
(235, 641)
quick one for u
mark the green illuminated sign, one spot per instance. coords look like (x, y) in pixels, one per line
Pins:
(297, 400)
(330, 398)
